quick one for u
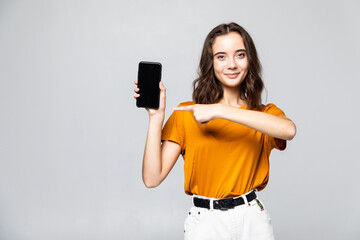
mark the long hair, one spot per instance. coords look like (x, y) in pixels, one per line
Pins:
(207, 88)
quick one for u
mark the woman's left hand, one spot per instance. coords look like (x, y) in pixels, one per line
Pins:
(203, 113)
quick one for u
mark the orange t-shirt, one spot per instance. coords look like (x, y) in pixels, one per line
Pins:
(222, 158)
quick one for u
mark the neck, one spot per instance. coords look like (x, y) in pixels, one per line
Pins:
(232, 98)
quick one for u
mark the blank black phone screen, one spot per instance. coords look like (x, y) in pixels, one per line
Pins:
(149, 76)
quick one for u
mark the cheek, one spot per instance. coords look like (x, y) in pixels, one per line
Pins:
(243, 64)
(217, 71)
(218, 67)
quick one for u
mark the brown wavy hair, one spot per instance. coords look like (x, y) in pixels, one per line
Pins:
(207, 88)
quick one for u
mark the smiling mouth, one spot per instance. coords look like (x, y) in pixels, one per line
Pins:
(232, 75)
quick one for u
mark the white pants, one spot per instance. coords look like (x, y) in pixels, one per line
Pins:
(245, 222)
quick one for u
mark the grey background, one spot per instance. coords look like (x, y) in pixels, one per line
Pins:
(71, 138)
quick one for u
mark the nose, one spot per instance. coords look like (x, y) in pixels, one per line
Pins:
(231, 63)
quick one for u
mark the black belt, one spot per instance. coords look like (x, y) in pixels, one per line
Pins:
(223, 204)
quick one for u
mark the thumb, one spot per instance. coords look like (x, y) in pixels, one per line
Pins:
(161, 86)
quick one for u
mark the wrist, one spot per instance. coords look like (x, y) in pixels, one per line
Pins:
(221, 110)
(225, 111)
(157, 118)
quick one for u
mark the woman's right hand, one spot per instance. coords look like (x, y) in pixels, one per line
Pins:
(159, 157)
(160, 112)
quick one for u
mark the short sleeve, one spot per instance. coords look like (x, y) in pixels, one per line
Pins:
(272, 142)
(174, 129)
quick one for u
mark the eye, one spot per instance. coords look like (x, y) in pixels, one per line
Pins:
(220, 57)
(240, 55)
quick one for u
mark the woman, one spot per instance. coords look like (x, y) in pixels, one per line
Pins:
(225, 137)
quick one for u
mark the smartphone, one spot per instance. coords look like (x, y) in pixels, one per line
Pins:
(149, 76)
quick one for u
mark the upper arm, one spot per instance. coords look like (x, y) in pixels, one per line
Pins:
(170, 152)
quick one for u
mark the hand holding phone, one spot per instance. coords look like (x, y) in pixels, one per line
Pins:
(149, 76)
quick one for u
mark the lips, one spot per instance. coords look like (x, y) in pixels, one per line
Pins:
(232, 75)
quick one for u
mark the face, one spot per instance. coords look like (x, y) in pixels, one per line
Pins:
(230, 60)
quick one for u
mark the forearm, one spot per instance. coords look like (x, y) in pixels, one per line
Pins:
(152, 164)
(275, 126)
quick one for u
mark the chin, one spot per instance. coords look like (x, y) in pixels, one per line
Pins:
(231, 83)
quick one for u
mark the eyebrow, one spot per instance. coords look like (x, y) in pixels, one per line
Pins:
(239, 50)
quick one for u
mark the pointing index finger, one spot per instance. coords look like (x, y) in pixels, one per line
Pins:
(185, 108)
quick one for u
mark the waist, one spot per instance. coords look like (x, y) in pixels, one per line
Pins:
(224, 203)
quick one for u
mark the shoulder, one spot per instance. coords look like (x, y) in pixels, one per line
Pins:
(273, 109)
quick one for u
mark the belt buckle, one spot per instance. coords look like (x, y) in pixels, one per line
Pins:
(225, 204)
